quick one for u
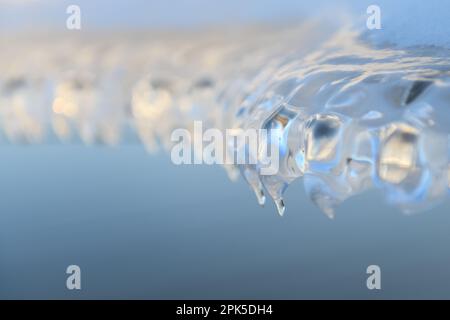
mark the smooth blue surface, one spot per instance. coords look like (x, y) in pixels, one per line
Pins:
(140, 227)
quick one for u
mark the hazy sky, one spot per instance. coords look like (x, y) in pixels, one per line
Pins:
(138, 13)
(404, 21)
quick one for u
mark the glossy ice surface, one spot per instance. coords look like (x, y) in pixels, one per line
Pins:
(353, 116)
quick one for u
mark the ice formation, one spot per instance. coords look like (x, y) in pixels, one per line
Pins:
(353, 116)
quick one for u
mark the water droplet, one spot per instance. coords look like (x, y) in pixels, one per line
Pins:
(279, 203)
(259, 192)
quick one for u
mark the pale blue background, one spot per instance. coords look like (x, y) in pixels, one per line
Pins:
(140, 227)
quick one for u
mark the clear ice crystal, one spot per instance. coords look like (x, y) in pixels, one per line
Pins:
(352, 116)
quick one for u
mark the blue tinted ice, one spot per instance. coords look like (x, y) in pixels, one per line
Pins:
(353, 116)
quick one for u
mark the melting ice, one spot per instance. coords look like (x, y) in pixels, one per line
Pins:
(352, 116)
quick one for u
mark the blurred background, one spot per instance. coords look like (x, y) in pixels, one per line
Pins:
(140, 227)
